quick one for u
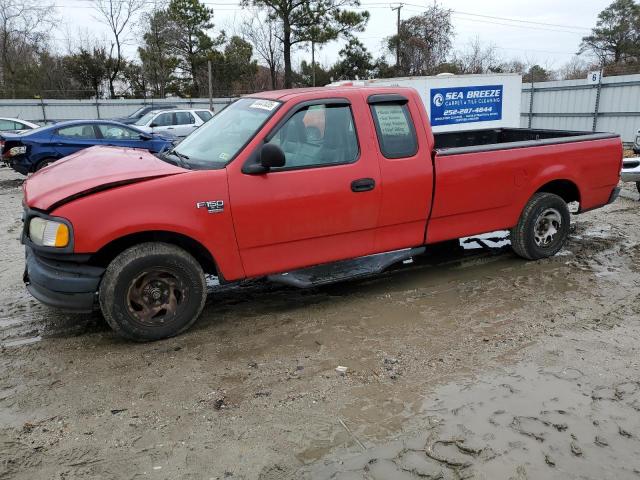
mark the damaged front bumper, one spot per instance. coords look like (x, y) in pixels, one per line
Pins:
(67, 285)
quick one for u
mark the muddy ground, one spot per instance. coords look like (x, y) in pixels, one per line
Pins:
(471, 365)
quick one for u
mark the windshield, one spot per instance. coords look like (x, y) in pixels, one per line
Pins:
(137, 112)
(219, 140)
(145, 119)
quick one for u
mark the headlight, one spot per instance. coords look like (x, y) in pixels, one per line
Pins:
(48, 233)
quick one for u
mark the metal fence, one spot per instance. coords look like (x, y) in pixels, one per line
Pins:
(610, 105)
(44, 110)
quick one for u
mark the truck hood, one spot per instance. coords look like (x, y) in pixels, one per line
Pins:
(90, 170)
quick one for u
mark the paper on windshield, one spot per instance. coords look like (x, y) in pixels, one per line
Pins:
(264, 105)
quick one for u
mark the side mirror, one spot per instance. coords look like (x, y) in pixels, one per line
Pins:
(145, 137)
(153, 125)
(271, 156)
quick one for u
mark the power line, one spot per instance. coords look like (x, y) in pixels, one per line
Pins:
(377, 5)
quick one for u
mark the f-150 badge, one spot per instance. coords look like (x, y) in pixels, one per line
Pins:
(212, 206)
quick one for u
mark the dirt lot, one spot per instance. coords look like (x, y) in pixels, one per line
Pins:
(473, 365)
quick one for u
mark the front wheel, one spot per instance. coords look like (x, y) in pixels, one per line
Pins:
(152, 291)
(543, 227)
(638, 186)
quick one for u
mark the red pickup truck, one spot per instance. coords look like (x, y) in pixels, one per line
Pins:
(303, 187)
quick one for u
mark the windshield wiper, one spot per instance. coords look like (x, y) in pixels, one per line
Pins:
(182, 157)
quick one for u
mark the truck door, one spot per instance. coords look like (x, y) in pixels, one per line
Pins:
(322, 205)
(405, 144)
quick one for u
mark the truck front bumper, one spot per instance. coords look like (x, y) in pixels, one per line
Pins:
(66, 285)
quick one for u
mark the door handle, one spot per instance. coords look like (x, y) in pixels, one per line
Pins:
(363, 185)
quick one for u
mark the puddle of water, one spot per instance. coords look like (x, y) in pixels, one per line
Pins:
(531, 422)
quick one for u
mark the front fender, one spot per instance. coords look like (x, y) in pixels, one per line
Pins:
(162, 204)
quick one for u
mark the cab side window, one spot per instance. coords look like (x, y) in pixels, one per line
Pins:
(318, 135)
(115, 132)
(164, 120)
(84, 132)
(395, 130)
(9, 125)
(184, 118)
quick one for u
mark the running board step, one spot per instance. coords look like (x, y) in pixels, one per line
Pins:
(344, 269)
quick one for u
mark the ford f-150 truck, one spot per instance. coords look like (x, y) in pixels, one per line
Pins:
(302, 187)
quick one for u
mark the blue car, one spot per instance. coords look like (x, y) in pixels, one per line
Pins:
(30, 151)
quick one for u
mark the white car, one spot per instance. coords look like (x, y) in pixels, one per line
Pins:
(178, 123)
(16, 125)
(631, 171)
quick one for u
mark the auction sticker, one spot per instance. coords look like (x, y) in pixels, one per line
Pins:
(450, 106)
(264, 105)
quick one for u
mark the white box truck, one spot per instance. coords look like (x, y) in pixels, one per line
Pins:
(463, 102)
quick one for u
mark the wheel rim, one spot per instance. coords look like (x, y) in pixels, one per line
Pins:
(156, 297)
(547, 226)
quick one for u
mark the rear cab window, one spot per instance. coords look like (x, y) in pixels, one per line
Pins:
(395, 129)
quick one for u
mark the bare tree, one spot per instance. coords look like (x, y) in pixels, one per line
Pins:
(118, 15)
(477, 58)
(263, 33)
(576, 68)
(24, 27)
(424, 41)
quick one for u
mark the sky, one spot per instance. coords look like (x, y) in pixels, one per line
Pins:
(547, 32)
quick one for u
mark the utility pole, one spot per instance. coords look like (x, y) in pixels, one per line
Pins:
(210, 87)
(398, 8)
(313, 62)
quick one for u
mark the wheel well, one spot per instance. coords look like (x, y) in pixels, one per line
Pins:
(106, 254)
(36, 166)
(565, 189)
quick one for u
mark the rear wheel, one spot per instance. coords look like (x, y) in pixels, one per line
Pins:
(543, 227)
(152, 291)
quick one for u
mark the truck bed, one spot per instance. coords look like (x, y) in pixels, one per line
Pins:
(468, 141)
(484, 178)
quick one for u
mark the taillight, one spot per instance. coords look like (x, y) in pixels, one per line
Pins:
(15, 151)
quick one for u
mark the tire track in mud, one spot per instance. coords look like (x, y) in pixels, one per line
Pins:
(526, 423)
(568, 414)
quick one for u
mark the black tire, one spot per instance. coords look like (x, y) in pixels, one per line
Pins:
(152, 291)
(638, 186)
(44, 163)
(543, 210)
